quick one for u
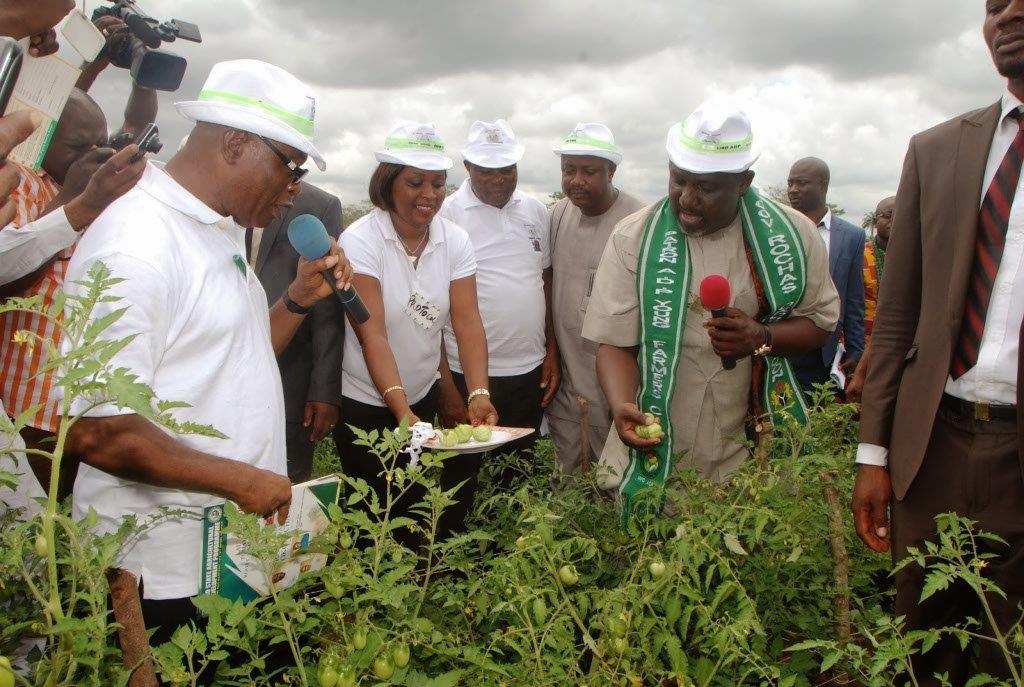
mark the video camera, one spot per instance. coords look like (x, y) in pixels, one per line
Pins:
(139, 49)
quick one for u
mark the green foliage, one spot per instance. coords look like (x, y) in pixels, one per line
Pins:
(732, 584)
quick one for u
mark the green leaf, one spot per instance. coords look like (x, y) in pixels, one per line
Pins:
(732, 543)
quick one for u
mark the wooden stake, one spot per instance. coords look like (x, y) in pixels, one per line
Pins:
(136, 655)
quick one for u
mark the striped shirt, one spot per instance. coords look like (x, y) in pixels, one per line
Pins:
(21, 385)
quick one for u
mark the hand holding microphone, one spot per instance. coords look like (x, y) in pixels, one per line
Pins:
(715, 294)
(327, 268)
(734, 334)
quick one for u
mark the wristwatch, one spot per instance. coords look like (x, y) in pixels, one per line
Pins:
(765, 348)
(292, 306)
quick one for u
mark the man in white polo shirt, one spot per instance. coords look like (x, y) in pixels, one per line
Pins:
(203, 335)
(509, 233)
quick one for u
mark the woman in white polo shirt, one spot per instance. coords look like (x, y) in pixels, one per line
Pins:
(413, 270)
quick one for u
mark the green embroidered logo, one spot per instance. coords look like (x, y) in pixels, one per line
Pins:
(240, 264)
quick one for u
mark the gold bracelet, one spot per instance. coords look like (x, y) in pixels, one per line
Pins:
(396, 387)
(477, 392)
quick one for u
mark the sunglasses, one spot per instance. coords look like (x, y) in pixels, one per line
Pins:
(297, 171)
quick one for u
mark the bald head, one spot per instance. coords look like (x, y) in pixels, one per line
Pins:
(80, 129)
(808, 186)
(883, 219)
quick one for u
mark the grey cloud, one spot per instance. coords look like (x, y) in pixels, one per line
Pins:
(848, 80)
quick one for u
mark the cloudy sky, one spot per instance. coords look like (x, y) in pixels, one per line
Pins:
(846, 80)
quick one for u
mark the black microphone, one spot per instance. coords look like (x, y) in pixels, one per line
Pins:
(715, 294)
(309, 238)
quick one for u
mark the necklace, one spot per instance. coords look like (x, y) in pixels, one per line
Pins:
(412, 254)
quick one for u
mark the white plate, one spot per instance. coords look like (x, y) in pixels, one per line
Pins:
(499, 436)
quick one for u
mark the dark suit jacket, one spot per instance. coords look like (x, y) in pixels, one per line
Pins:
(311, 364)
(921, 304)
(846, 265)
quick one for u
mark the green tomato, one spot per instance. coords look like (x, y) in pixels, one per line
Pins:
(42, 546)
(657, 569)
(620, 645)
(347, 677)
(642, 431)
(540, 611)
(383, 668)
(328, 677)
(359, 639)
(344, 540)
(400, 654)
(6, 674)
(617, 627)
(568, 575)
(449, 438)
(464, 432)
(482, 433)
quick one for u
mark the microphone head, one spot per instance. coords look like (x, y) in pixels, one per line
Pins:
(308, 237)
(715, 292)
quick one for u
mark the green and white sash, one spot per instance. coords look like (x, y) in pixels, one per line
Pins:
(663, 283)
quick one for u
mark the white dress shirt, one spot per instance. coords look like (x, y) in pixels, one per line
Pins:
(993, 379)
(24, 249)
(825, 229)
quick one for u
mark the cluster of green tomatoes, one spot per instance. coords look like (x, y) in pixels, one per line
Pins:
(461, 434)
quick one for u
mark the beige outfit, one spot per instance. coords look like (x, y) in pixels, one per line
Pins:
(709, 404)
(577, 243)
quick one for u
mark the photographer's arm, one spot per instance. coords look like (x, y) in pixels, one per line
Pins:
(133, 448)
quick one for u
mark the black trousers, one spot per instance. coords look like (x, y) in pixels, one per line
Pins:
(517, 400)
(360, 463)
(971, 468)
(300, 452)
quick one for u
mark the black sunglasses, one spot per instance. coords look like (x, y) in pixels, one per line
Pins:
(297, 171)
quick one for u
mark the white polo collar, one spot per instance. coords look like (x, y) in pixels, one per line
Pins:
(159, 184)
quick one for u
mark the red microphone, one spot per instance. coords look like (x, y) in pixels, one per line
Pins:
(715, 294)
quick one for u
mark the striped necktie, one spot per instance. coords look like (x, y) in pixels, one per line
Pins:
(988, 251)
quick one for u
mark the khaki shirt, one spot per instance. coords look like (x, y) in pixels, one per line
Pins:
(577, 243)
(709, 404)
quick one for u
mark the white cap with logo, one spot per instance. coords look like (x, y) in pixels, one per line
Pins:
(492, 145)
(590, 139)
(716, 137)
(415, 144)
(254, 96)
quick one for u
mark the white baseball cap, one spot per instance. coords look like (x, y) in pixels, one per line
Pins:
(492, 145)
(254, 96)
(415, 144)
(590, 139)
(716, 137)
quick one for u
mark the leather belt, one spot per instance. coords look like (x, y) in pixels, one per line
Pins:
(978, 410)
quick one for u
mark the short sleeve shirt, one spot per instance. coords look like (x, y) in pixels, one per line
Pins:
(709, 405)
(202, 331)
(512, 252)
(375, 250)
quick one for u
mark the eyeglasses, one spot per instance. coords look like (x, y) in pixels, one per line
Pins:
(297, 171)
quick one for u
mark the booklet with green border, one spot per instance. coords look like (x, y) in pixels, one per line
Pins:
(233, 575)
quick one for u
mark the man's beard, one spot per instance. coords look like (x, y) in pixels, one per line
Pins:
(1011, 68)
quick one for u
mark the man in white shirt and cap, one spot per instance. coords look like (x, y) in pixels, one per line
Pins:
(662, 352)
(578, 417)
(203, 332)
(509, 233)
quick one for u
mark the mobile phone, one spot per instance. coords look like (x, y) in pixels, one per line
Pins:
(83, 35)
(10, 67)
(148, 141)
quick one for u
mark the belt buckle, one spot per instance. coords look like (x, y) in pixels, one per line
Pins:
(981, 411)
